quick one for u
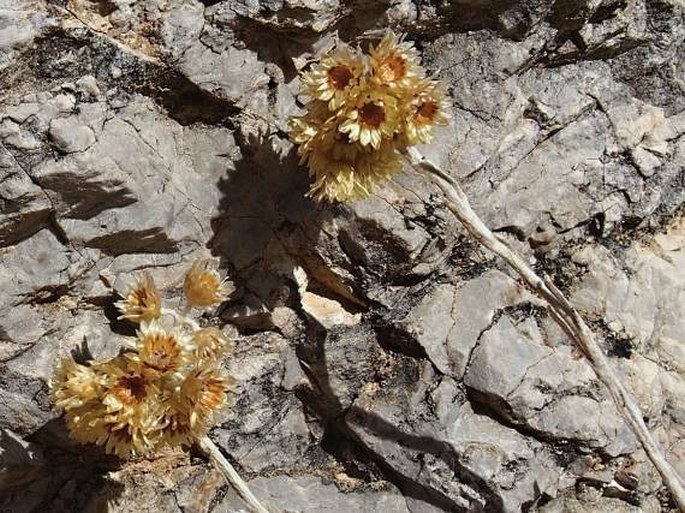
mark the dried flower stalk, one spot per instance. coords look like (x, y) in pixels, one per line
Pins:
(561, 310)
(230, 474)
(365, 110)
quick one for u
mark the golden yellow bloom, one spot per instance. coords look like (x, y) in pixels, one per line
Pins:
(331, 163)
(302, 131)
(211, 344)
(334, 77)
(159, 349)
(308, 129)
(334, 180)
(373, 168)
(203, 286)
(395, 63)
(142, 302)
(175, 423)
(345, 171)
(426, 109)
(74, 385)
(124, 416)
(131, 438)
(204, 391)
(87, 423)
(379, 104)
(133, 409)
(128, 385)
(163, 391)
(371, 117)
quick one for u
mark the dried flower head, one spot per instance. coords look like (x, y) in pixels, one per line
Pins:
(426, 109)
(142, 302)
(176, 429)
(394, 62)
(124, 413)
(364, 112)
(160, 350)
(307, 130)
(203, 286)
(211, 344)
(334, 76)
(164, 389)
(342, 175)
(74, 385)
(371, 117)
(204, 392)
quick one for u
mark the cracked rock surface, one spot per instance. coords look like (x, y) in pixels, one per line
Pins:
(384, 363)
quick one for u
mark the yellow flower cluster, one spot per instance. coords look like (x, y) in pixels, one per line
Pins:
(364, 110)
(203, 287)
(163, 390)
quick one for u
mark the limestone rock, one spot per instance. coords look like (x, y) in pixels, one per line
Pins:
(409, 371)
(470, 308)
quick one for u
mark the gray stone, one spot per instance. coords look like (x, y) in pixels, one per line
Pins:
(594, 505)
(294, 494)
(39, 264)
(24, 206)
(264, 403)
(88, 85)
(471, 309)
(640, 297)
(70, 136)
(383, 361)
(20, 23)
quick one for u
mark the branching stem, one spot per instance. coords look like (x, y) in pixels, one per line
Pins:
(561, 311)
(231, 475)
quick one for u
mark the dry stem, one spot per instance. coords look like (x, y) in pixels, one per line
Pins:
(563, 313)
(240, 486)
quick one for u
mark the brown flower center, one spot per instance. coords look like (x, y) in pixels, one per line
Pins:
(131, 389)
(426, 112)
(393, 68)
(339, 77)
(162, 353)
(371, 115)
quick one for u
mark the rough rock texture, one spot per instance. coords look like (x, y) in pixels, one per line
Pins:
(384, 362)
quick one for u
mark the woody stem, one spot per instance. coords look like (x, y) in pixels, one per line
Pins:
(230, 473)
(561, 310)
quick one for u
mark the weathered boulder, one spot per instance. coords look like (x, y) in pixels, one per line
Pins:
(384, 362)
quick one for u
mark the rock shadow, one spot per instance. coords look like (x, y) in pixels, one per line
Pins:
(426, 444)
(265, 227)
(279, 41)
(340, 439)
(273, 45)
(53, 474)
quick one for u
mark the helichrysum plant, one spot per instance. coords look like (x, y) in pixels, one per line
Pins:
(364, 110)
(365, 114)
(165, 386)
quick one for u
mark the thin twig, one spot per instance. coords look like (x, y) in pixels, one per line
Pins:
(562, 312)
(240, 486)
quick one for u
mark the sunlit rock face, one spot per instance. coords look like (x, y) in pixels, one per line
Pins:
(383, 361)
